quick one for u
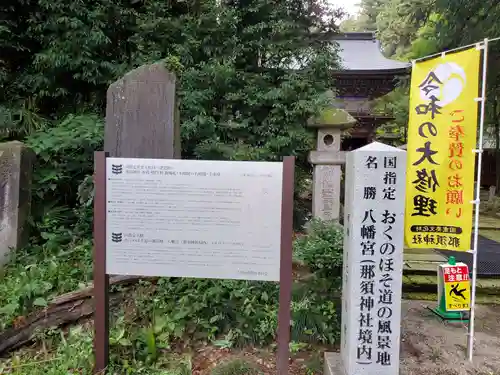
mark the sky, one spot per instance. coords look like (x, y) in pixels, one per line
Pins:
(350, 6)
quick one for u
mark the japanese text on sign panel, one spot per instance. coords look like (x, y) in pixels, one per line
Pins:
(376, 294)
(193, 218)
(441, 139)
(457, 288)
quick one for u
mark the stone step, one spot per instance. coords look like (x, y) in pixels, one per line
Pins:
(424, 260)
(428, 284)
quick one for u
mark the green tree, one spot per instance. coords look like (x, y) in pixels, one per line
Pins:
(368, 13)
(466, 22)
(413, 29)
(366, 19)
(456, 23)
(251, 73)
(398, 22)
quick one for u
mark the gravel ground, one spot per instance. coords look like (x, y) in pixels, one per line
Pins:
(431, 347)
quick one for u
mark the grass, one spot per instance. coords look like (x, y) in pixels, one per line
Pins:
(236, 367)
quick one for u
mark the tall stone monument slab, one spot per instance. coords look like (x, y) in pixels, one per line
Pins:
(373, 262)
(328, 160)
(16, 165)
(142, 117)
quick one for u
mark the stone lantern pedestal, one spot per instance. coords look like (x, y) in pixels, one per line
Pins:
(328, 160)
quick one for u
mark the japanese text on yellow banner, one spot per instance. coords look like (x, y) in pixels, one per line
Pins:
(441, 139)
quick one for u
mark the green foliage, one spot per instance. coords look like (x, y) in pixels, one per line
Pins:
(322, 248)
(239, 100)
(63, 152)
(315, 365)
(226, 313)
(396, 103)
(61, 188)
(236, 367)
(236, 313)
(72, 353)
(366, 20)
(398, 23)
(41, 272)
(20, 119)
(58, 259)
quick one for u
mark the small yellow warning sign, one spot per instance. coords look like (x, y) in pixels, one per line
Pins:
(457, 288)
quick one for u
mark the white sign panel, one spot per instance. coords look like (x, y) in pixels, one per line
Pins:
(373, 260)
(193, 218)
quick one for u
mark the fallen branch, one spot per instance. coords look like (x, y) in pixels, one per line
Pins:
(62, 310)
(88, 290)
(54, 316)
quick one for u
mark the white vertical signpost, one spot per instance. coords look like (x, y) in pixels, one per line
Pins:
(477, 201)
(373, 262)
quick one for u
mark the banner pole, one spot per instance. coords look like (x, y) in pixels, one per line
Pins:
(479, 151)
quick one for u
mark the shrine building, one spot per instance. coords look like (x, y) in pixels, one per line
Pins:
(365, 74)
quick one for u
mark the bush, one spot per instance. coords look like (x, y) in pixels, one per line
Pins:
(64, 160)
(232, 313)
(41, 272)
(64, 156)
(322, 248)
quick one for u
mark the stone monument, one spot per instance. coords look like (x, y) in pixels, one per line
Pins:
(16, 165)
(142, 116)
(142, 121)
(373, 262)
(328, 161)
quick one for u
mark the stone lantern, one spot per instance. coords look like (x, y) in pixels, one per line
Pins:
(327, 160)
(364, 74)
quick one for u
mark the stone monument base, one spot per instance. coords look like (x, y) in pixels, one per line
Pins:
(333, 364)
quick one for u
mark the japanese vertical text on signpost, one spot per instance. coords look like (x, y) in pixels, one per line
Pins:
(377, 267)
(441, 139)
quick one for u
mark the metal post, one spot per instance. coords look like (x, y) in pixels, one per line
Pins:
(479, 150)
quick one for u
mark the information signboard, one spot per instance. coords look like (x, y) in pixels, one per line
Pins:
(192, 218)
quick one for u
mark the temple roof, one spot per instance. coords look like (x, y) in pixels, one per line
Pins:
(361, 53)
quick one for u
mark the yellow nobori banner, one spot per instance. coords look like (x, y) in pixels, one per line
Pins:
(441, 139)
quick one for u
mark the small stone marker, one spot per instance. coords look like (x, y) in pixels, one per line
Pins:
(142, 119)
(16, 165)
(491, 193)
(373, 262)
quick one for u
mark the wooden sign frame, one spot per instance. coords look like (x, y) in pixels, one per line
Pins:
(101, 278)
